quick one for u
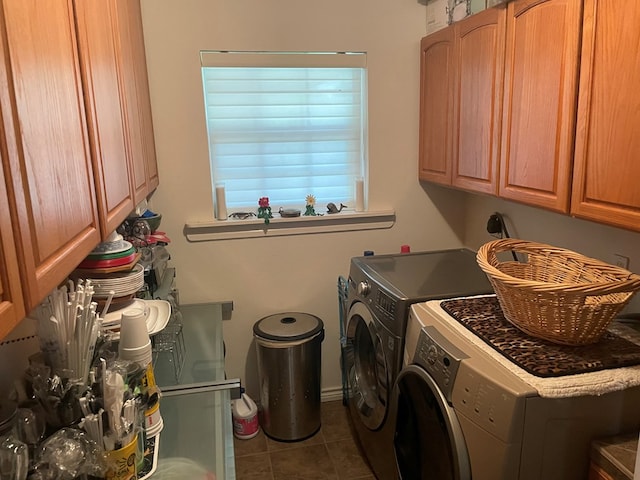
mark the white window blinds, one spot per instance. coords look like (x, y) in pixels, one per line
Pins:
(286, 125)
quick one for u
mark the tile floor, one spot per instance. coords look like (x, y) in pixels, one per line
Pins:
(331, 454)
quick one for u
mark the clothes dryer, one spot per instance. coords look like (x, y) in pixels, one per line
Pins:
(381, 290)
(464, 411)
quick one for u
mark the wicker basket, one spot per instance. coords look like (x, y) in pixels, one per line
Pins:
(556, 294)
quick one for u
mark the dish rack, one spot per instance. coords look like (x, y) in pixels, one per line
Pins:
(556, 294)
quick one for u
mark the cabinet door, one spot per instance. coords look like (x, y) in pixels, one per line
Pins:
(105, 115)
(541, 67)
(136, 97)
(142, 83)
(477, 100)
(436, 106)
(51, 172)
(11, 301)
(607, 166)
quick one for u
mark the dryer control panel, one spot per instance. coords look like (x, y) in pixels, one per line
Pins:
(439, 357)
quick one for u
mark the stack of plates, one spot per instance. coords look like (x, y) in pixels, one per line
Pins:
(109, 257)
(157, 313)
(112, 267)
(120, 283)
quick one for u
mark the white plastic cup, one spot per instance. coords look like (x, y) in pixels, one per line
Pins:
(153, 422)
(134, 335)
(143, 356)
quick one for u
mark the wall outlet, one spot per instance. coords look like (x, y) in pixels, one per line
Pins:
(620, 261)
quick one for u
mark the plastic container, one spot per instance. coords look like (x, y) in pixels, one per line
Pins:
(289, 352)
(245, 417)
(14, 454)
(121, 463)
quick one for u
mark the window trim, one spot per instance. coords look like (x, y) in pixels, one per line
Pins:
(222, 58)
(345, 221)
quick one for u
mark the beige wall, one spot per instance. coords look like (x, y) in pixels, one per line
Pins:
(299, 273)
(296, 273)
(588, 238)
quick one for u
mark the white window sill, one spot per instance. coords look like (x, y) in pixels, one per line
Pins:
(345, 221)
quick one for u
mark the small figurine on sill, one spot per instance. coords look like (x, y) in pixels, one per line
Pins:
(264, 210)
(331, 208)
(310, 210)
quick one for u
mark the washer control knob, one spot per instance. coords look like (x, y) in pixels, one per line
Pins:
(364, 288)
(432, 355)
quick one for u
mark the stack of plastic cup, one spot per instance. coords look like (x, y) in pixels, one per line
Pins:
(135, 343)
(135, 346)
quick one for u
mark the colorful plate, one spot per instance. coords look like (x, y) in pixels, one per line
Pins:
(104, 272)
(112, 247)
(109, 256)
(111, 262)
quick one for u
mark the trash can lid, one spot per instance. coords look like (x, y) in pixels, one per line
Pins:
(288, 326)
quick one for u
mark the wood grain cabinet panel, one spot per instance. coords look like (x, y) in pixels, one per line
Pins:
(50, 163)
(136, 97)
(105, 111)
(436, 106)
(11, 301)
(461, 95)
(540, 91)
(607, 159)
(144, 98)
(479, 53)
(76, 129)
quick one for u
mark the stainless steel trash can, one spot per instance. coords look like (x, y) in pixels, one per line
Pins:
(288, 347)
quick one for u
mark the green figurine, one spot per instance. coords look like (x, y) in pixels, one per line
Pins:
(264, 210)
(310, 210)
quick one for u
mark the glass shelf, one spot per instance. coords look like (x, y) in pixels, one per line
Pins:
(196, 406)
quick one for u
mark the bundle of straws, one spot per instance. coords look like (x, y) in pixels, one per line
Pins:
(113, 409)
(68, 327)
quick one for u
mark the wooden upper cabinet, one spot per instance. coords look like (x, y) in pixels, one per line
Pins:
(50, 162)
(105, 111)
(11, 301)
(479, 53)
(540, 91)
(142, 83)
(607, 159)
(136, 99)
(436, 106)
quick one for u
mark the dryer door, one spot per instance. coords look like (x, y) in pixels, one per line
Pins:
(367, 367)
(428, 442)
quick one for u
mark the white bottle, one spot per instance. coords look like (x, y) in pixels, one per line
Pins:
(245, 417)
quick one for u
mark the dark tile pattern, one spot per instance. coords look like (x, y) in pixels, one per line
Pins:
(331, 454)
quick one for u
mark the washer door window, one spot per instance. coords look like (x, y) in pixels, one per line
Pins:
(429, 444)
(367, 368)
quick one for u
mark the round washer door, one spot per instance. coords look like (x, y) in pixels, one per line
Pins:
(428, 442)
(367, 367)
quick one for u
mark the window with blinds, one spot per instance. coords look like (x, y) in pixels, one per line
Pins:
(286, 125)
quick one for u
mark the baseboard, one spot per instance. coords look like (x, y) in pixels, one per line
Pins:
(331, 394)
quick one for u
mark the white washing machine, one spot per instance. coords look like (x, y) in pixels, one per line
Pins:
(465, 412)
